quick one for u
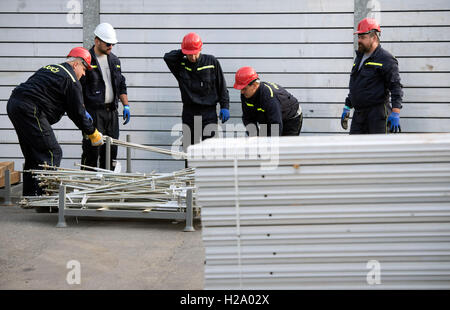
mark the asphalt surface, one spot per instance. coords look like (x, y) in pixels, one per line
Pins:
(111, 253)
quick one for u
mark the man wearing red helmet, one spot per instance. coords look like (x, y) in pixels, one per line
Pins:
(267, 104)
(202, 85)
(374, 76)
(40, 102)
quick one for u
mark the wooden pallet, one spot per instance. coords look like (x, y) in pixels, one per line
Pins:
(15, 175)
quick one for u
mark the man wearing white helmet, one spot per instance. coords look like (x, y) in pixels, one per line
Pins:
(102, 89)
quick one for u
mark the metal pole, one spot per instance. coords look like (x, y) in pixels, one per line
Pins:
(61, 207)
(108, 154)
(91, 18)
(189, 213)
(179, 155)
(8, 187)
(128, 155)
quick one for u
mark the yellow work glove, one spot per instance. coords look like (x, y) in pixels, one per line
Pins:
(96, 138)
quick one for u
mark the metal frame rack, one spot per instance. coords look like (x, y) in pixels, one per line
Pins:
(64, 210)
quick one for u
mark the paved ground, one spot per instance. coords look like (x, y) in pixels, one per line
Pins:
(113, 254)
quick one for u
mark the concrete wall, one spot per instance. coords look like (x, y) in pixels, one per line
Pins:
(306, 46)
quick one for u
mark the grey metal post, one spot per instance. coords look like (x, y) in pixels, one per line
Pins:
(7, 187)
(108, 154)
(91, 18)
(61, 207)
(189, 211)
(128, 155)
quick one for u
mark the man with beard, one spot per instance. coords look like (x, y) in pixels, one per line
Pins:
(374, 76)
(103, 86)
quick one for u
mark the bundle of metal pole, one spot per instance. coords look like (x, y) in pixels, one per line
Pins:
(170, 195)
(105, 189)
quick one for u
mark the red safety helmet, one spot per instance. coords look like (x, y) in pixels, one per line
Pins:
(192, 44)
(244, 76)
(366, 25)
(82, 53)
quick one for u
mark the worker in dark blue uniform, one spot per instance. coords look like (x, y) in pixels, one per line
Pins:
(202, 85)
(40, 102)
(103, 86)
(374, 77)
(267, 108)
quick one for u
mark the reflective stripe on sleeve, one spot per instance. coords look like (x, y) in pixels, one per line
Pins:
(374, 64)
(206, 67)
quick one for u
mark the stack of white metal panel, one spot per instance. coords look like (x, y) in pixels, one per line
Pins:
(325, 212)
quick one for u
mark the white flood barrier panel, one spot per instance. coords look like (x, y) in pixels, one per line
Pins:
(325, 212)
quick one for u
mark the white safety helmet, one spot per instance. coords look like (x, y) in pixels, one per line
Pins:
(106, 33)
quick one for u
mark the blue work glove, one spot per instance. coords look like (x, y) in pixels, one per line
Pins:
(88, 116)
(344, 117)
(126, 114)
(224, 115)
(394, 122)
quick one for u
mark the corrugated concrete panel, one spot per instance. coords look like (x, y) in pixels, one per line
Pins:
(318, 80)
(230, 7)
(275, 38)
(349, 212)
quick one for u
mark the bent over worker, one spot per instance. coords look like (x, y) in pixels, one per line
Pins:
(267, 104)
(103, 86)
(40, 102)
(202, 86)
(374, 76)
